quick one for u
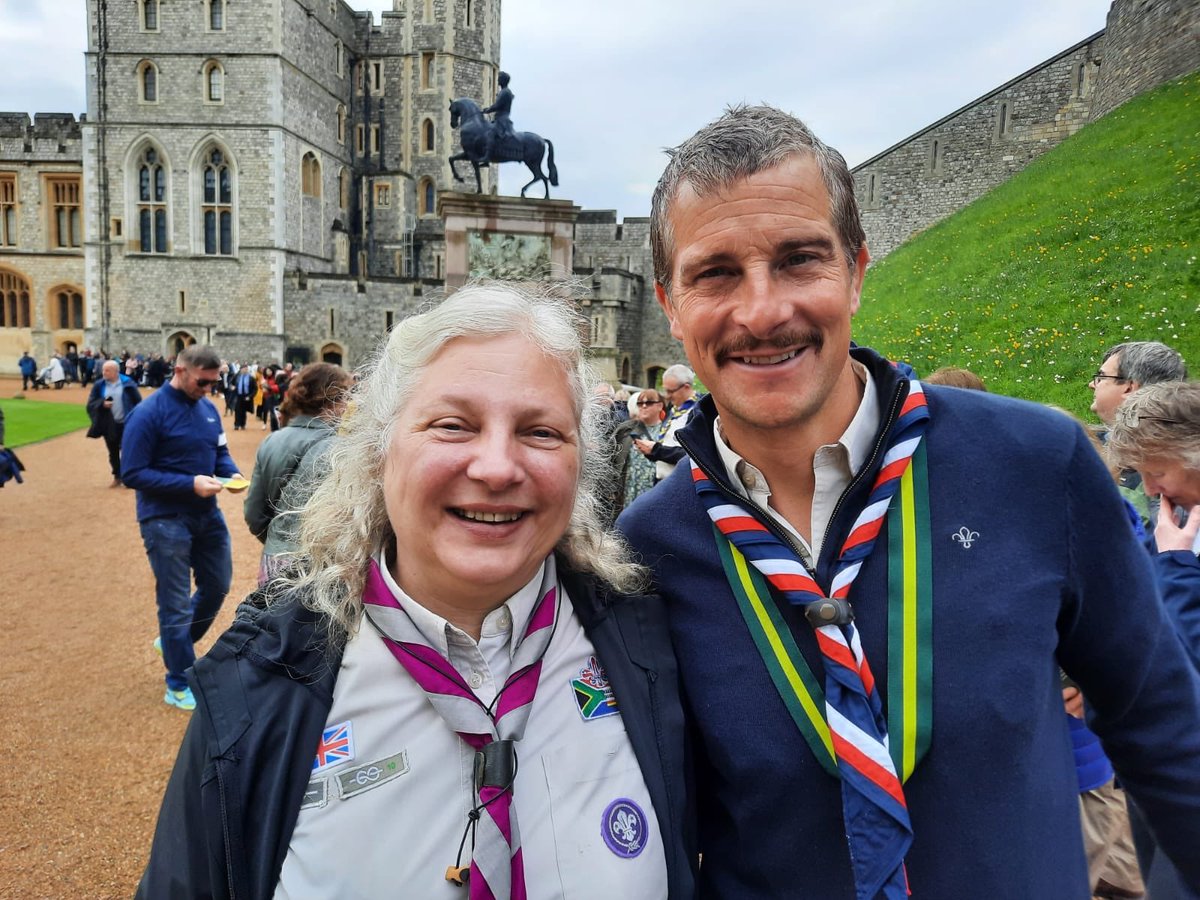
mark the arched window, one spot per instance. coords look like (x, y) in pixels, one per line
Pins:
(341, 123)
(65, 308)
(332, 353)
(151, 172)
(149, 15)
(214, 83)
(216, 15)
(14, 300)
(310, 175)
(470, 14)
(427, 197)
(427, 136)
(344, 189)
(216, 202)
(339, 57)
(148, 82)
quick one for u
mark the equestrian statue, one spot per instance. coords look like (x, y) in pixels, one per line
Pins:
(485, 142)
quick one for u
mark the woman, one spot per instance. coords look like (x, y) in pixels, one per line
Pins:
(637, 471)
(454, 650)
(1157, 431)
(291, 461)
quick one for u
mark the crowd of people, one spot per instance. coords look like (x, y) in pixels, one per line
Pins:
(83, 368)
(853, 633)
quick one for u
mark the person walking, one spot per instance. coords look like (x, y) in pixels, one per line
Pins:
(109, 404)
(28, 366)
(175, 453)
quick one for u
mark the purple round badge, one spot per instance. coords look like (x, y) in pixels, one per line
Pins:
(623, 827)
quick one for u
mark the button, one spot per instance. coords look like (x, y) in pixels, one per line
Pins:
(475, 681)
(750, 481)
(504, 620)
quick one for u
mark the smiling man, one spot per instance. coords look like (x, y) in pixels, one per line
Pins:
(871, 584)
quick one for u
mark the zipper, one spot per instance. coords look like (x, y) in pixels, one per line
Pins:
(225, 831)
(768, 519)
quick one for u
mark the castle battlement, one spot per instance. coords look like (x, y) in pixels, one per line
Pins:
(48, 137)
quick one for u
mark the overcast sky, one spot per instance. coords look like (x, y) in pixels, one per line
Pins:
(612, 82)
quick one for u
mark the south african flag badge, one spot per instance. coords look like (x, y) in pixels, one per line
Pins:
(593, 693)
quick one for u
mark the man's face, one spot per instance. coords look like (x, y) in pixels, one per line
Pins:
(1108, 390)
(675, 390)
(110, 372)
(762, 295)
(1170, 478)
(197, 383)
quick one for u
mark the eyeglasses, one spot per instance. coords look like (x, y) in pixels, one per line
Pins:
(1100, 376)
(648, 402)
(678, 387)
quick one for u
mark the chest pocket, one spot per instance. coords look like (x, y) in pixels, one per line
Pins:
(606, 836)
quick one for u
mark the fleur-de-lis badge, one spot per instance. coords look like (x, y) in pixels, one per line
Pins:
(966, 537)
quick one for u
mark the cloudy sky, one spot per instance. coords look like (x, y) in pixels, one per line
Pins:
(612, 82)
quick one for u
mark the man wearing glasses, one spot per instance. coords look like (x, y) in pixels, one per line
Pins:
(1125, 368)
(679, 392)
(174, 454)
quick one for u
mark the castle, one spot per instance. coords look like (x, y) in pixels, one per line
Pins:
(266, 176)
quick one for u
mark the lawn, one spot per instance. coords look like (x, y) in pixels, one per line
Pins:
(28, 421)
(1094, 243)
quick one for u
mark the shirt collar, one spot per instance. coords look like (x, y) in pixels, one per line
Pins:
(499, 623)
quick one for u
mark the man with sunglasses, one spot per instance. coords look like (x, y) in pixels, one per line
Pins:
(175, 454)
(678, 388)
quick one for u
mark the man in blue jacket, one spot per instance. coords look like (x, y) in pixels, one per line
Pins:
(112, 399)
(175, 454)
(28, 366)
(871, 586)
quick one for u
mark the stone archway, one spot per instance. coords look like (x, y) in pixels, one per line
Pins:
(654, 375)
(333, 353)
(178, 342)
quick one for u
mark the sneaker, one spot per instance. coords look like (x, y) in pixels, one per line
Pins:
(182, 699)
(158, 645)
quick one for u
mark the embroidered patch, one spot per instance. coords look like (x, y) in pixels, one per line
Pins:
(316, 794)
(623, 827)
(371, 775)
(336, 746)
(966, 537)
(593, 693)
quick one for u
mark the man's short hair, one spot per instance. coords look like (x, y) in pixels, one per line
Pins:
(1147, 362)
(744, 141)
(199, 357)
(681, 373)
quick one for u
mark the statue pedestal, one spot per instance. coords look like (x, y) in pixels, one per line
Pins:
(508, 238)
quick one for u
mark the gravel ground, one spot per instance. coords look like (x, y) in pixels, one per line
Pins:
(80, 684)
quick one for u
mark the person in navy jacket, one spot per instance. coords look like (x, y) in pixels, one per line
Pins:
(111, 401)
(871, 586)
(174, 454)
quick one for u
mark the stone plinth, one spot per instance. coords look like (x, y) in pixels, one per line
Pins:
(509, 238)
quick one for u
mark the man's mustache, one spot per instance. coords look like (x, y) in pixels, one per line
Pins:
(783, 341)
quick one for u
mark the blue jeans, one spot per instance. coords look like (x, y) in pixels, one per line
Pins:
(178, 546)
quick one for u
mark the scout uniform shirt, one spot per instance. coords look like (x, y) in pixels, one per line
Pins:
(387, 805)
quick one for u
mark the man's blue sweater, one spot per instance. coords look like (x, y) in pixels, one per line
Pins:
(169, 440)
(1053, 575)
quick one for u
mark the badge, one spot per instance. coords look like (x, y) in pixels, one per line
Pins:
(593, 693)
(623, 827)
(371, 775)
(316, 795)
(336, 746)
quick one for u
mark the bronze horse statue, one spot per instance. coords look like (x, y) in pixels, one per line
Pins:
(477, 134)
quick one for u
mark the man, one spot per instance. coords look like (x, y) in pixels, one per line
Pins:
(109, 404)
(679, 388)
(174, 455)
(1125, 368)
(244, 391)
(28, 366)
(502, 128)
(874, 685)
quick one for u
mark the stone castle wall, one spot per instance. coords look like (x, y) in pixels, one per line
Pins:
(1148, 43)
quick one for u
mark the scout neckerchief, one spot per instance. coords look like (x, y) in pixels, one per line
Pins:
(497, 871)
(853, 733)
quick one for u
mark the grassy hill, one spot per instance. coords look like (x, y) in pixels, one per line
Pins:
(1094, 243)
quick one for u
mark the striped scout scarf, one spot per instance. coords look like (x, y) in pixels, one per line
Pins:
(497, 870)
(876, 816)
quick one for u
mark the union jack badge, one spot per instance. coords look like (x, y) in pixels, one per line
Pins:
(336, 746)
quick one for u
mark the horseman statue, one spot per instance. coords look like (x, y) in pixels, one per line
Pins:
(485, 142)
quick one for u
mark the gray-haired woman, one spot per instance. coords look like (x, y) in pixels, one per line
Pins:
(453, 656)
(1157, 432)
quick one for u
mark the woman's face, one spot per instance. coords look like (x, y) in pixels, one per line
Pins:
(1171, 479)
(649, 407)
(481, 472)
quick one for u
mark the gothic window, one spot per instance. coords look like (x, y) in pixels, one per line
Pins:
(66, 308)
(151, 172)
(214, 83)
(470, 14)
(8, 210)
(426, 71)
(149, 15)
(344, 189)
(66, 226)
(936, 153)
(1003, 119)
(216, 15)
(427, 136)
(374, 140)
(148, 82)
(427, 197)
(383, 196)
(360, 144)
(310, 175)
(339, 57)
(1081, 80)
(14, 301)
(375, 75)
(341, 124)
(216, 203)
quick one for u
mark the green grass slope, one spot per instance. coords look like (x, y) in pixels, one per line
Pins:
(1094, 243)
(28, 421)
